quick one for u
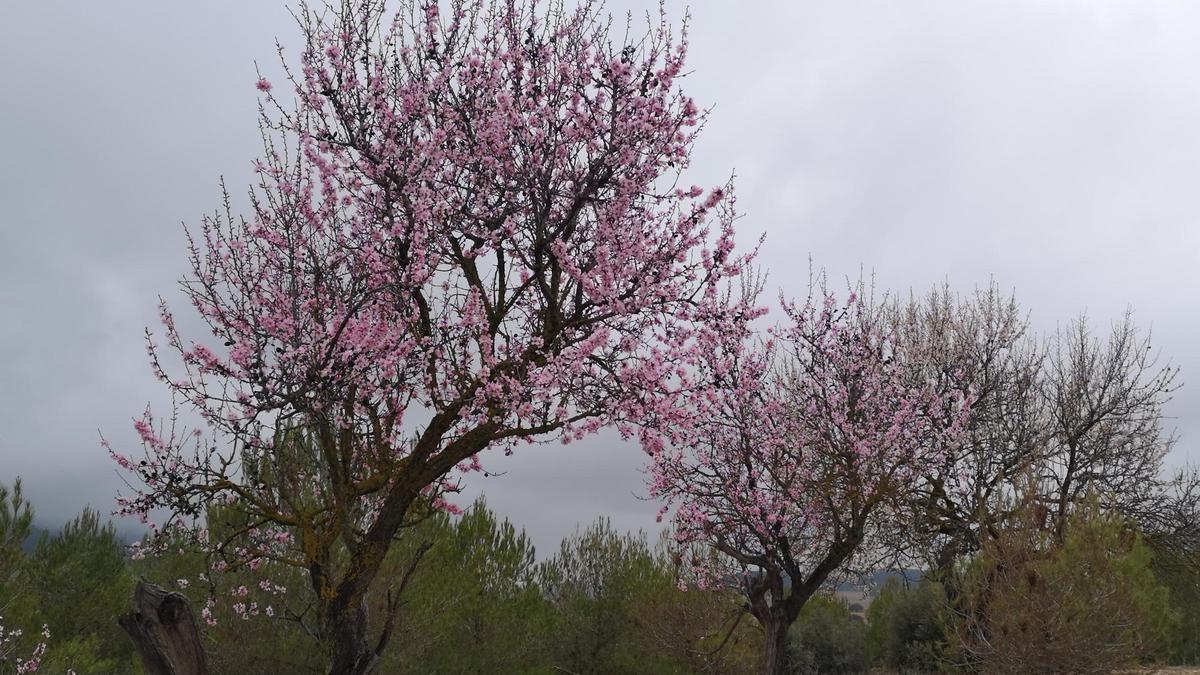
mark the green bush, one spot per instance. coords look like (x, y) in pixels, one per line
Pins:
(1088, 602)
(595, 583)
(906, 626)
(473, 604)
(82, 584)
(827, 639)
(74, 583)
(1181, 575)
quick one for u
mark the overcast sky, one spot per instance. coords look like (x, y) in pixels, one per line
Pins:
(1054, 146)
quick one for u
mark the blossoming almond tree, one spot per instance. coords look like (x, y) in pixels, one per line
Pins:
(467, 233)
(806, 441)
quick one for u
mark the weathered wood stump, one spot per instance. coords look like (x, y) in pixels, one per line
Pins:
(164, 632)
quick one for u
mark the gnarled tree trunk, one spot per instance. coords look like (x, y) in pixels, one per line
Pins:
(164, 632)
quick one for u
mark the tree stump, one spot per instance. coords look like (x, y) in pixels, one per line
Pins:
(164, 632)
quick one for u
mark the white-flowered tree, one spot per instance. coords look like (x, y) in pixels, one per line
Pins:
(467, 233)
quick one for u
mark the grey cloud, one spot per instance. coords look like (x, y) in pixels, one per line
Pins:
(1054, 146)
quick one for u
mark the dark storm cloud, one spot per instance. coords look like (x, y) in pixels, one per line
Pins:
(1052, 146)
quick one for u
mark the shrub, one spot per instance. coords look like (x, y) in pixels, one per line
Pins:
(1085, 603)
(906, 626)
(827, 639)
(1180, 573)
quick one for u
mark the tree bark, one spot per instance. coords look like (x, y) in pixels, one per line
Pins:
(344, 612)
(775, 650)
(164, 632)
(347, 630)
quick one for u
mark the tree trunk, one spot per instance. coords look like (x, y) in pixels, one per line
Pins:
(347, 632)
(164, 632)
(775, 649)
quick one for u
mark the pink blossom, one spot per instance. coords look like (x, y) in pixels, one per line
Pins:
(790, 454)
(390, 270)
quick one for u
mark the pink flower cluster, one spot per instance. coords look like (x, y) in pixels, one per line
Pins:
(467, 234)
(801, 441)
